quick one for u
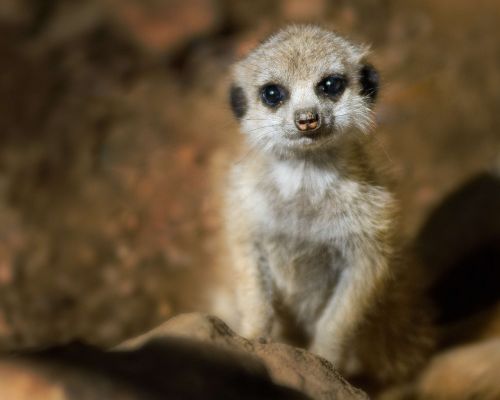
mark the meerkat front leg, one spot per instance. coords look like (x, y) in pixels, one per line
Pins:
(360, 284)
(253, 291)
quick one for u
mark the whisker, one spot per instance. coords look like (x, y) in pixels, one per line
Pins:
(380, 144)
(263, 127)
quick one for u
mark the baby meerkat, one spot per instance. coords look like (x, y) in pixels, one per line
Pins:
(309, 226)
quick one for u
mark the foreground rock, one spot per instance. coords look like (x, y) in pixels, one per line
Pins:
(287, 365)
(190, 357)
(464, 373)
(161, 369)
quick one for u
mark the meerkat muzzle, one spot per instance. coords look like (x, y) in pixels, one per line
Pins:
(307, 120)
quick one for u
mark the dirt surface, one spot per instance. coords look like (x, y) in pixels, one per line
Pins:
(114, 127)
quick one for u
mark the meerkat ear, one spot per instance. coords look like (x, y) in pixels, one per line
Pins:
(238, 101)
(369, 79)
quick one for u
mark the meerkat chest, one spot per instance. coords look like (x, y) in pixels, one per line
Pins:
(299, 180)
(311, 204)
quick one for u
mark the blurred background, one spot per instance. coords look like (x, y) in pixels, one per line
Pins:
(114, 130)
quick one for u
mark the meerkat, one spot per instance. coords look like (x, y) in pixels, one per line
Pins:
(309, 227)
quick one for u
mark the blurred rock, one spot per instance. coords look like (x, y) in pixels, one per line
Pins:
(13, 11)
(288, 366)
(244, 15)
(163, 368)
(63, 21)
(18, 383)
(298, 10)
(192, 356)
(161, 25)
(466, 373)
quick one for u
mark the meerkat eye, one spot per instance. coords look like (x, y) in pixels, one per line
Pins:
(332, 85)
(273, 95)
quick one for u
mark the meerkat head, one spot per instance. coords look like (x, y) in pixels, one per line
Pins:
(303, 88)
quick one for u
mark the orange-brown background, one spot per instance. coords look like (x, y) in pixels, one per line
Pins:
(114, 125)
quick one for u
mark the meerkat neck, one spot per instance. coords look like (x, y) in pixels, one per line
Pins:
(347, 160)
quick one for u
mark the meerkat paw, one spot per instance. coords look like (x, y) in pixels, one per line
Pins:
(331, 352)
(344, 360)
(256, 330)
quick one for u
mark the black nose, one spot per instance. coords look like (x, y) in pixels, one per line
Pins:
(307, 120)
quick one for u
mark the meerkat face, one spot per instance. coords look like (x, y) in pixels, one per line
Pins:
(303, 88)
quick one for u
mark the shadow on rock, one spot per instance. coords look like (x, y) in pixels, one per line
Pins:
(191, 356)
(166, 368)
(459, 246)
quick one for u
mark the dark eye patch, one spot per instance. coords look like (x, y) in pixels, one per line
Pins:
(369, 80)
(238, 101)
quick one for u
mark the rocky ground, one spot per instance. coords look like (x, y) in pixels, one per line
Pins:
(115, 130)
(192, 356)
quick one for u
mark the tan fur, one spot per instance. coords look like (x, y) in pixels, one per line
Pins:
(310, 227)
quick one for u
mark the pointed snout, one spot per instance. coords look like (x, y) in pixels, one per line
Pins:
(307, 120)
